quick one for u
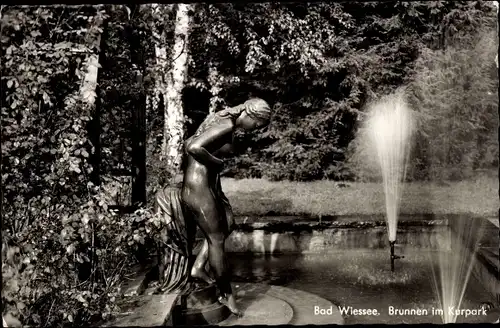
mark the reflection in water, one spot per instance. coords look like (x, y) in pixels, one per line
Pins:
(269, 269)
(361, 279)
(258, 240)
(274, 242)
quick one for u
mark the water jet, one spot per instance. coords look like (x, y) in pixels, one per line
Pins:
(390, 128)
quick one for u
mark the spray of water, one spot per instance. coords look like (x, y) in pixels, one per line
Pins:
(455, 262)
(390, 128)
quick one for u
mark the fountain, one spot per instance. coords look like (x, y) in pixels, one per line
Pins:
(390, 128)
(454, 268)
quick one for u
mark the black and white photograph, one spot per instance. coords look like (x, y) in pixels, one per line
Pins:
(249, 163)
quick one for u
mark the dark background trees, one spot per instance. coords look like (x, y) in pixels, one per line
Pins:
(319, 64)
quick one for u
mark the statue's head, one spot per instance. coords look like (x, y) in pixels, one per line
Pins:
(256, 114)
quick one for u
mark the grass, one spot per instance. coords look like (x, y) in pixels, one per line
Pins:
(476, 196)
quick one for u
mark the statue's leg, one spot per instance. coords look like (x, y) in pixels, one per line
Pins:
(198, 269)
(206, 213)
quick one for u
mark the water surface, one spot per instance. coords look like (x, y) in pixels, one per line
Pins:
(361, 279)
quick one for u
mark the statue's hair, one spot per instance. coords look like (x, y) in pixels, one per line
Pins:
(255, 107)
(258, 109)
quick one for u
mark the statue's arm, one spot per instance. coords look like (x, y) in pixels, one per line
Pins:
(197, 147)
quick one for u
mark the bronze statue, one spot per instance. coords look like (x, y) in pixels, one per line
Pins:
(201, 203)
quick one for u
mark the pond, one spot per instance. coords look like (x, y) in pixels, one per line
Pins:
(361, 278)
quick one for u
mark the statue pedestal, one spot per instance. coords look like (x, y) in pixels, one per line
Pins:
(200, 307)
(261, 305)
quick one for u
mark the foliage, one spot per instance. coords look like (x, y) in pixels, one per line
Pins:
(88, 252)
(453, 96)
(55, 221)
(456, 97)
(318, 63)
(119, 93)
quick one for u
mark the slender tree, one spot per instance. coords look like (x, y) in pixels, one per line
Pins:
(175, 79)
(161, 58)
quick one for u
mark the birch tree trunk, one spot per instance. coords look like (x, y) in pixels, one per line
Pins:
(153, 100)
(174, 113)
(90, 87)
(88, 95)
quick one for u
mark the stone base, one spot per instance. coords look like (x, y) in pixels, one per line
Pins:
(146, 311)
(199, 307)
(207, 315)
(260, 304)
(276, 305)
(259, 308)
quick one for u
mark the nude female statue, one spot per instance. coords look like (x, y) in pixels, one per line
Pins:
(202, 196)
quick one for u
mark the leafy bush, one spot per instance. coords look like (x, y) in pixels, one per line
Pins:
(63, 252)
(88, 252)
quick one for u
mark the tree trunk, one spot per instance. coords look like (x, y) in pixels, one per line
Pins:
(89, 84)
(154, 99)
(172, 148)
(95, 124)
(88, 92)
(138, 117)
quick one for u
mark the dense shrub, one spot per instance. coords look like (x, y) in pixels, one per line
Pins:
(88, 251)
(63, 252)
(456, 93)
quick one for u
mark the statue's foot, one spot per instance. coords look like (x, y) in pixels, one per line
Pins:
(230, 303)
(202, 275)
